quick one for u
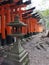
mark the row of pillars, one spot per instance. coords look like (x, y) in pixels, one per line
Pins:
(7, 14)
(5, 17)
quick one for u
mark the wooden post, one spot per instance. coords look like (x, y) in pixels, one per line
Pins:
(0, 30)
(3, 26)
(9, 29)
(12, 15)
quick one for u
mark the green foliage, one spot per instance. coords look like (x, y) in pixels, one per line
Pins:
(45, 12)
(45, 17)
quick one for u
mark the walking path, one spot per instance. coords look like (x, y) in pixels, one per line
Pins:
(38, 50)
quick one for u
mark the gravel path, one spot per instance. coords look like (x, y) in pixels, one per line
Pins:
(38, 49)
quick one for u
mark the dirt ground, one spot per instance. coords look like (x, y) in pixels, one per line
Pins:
(38, 50)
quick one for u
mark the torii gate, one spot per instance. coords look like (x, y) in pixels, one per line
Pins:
(33, 19)
(19, 11)
(6, 17)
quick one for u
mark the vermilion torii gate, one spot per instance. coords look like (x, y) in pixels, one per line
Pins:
(8, 11)
(7, 15)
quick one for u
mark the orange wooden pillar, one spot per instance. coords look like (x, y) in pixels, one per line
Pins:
(8, 28)
(28, 22)
(29, 26)
(0, 29)
(0, 24)
(3, 26)
(36, 27)
(33, 25)
(23, 30)
(20, 17)
(12, 14)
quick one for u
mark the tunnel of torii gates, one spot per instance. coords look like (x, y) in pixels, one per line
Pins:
(8, 12)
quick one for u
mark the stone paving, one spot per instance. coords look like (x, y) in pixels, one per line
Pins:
(38, 50)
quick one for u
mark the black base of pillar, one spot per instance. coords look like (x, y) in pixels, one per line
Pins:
(3, 42)
(25, 36)
(34, 33)
(9, 39)
(0, 36)
(28, 34)
(31, 33)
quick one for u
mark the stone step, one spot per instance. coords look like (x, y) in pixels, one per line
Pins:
(27, 40)
(47, 43)
(42, 46)
(37, 47)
